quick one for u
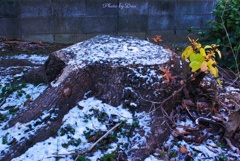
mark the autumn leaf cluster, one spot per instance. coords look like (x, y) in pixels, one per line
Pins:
(202, 58)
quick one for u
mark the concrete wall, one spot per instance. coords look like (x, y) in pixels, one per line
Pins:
(70, 21)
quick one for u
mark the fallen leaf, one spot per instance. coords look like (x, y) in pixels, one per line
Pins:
(179, 132)
(182, 82)
(183, 149)
(184, 105)
(188, 102)
(201, 105)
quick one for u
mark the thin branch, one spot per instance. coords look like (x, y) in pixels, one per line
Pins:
(235, 149)
(229, 41)
(3, 101)
(100, 139)
(79, 152)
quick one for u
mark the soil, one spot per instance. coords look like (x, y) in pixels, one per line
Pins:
(10, 47)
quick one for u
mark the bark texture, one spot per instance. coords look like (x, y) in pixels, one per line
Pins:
(116, 70)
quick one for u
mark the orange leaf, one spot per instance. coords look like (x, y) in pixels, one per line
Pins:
(163, 69)
(183, 149)
(204, 66)
(168, 75)
(199, 105)
(182, 82)
(157, 39)
(166, 81)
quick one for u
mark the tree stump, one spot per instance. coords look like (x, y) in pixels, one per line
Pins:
(116, 70)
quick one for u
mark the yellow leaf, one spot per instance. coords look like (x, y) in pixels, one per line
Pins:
(202, 52)
(195, 61)
(195, 44)
(213, 71)
(197, 57)
(198, 45)
(208, 47)
(216, 75)
(211, 62)
(219, 82)
(195, 65)
(204, 66)
(187, 52)
(219, 53)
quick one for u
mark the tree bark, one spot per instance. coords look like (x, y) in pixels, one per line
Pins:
(114, 80)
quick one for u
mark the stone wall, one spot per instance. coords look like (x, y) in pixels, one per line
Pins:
(70, 21)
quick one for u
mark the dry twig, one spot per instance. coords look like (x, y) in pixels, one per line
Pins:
(80, 152)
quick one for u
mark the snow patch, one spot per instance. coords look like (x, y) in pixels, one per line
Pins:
(119, 50)
(76, 119)
(36, 59)
(17, 101)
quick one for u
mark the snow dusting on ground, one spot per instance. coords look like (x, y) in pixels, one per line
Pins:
(78, 120)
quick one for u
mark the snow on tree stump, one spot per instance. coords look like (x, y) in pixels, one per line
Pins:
(116, 70)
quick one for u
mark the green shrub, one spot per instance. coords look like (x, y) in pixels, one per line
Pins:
(225, 31)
